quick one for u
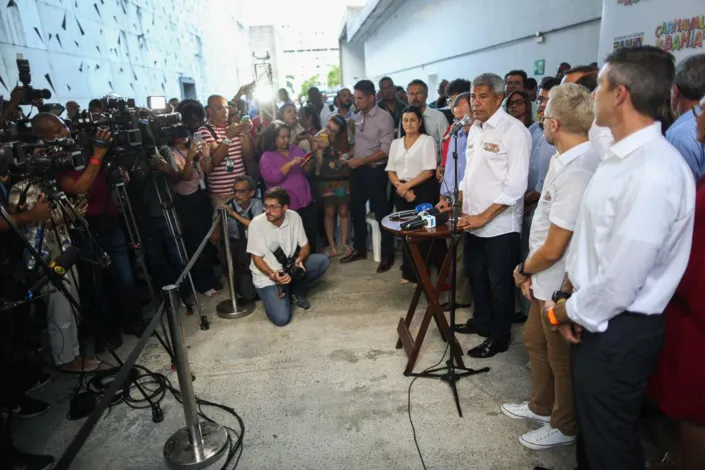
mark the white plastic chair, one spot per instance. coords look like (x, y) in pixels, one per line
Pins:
(376, 237)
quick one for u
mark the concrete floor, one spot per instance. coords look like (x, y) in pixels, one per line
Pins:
(324, 392)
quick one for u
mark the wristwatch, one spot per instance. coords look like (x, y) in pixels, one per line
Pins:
(560, 296)
(520, 268)
(227, 140)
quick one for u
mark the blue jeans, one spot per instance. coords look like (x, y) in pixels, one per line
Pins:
(279, 310)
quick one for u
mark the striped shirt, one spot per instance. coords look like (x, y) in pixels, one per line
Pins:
(220, 180)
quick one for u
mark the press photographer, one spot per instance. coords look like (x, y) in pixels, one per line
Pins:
(109, 293)
(281, 228)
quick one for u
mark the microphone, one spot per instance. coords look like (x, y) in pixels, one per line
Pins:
(432, 212)
(61, 265)
(427, 220)
(467, 119)
(424, 207)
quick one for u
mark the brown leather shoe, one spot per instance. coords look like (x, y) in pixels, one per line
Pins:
(385, 265)
(354, 256)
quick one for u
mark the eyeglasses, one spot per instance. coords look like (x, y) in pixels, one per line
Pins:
(541, 99)
(241, 191)
(515, 103)
(268, 208)
(544, 117)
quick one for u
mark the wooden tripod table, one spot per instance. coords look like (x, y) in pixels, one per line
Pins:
(410, 242)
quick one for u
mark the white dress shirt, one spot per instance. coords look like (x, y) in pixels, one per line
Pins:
(436, 124)
(568, 176)
(409, 163)
(633, 236)
(263, 237)
(601, 139)
(497, 171)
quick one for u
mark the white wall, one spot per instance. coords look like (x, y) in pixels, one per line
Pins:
(352, 63)
(132, 48)
(426, 37)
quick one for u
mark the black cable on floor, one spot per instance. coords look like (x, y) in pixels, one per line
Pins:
(156, 386)
(413, 429)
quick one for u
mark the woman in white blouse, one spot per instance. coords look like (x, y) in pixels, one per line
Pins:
(411, 166)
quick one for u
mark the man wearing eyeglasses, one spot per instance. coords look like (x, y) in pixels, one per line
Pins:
(282, 228)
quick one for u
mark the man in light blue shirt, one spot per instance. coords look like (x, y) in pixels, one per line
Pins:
(461, 107)
(688, 89)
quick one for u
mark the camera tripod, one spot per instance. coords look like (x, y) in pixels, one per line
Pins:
(177, 235)
(59, 286)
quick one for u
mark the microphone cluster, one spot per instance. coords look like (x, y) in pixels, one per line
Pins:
(429, 218)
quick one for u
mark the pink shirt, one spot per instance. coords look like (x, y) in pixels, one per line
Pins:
(182, 187)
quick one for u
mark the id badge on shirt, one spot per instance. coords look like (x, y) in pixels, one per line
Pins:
(229, 165)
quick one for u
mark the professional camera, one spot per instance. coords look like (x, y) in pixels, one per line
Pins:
(46, 159)
(30, 94)
(289, 264)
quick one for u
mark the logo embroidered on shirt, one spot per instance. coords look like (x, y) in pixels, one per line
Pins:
(490, 147)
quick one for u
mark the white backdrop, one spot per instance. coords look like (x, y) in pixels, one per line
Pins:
(677, 26)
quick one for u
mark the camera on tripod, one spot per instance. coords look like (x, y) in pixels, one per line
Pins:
(48, 159)
(25, 76)
(289, 264)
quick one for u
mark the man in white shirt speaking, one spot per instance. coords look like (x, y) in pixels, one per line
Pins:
(281, 229)
(566, 123)
(630, 248)
(492, 191)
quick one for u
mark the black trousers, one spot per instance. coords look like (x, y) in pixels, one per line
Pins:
(425, 192)
(241, 268)
(195, 213)
(369, 183)
(309, 218)
(609, 371)
(489, 264)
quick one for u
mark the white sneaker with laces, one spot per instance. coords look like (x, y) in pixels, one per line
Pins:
(522, 411)
(545, 437)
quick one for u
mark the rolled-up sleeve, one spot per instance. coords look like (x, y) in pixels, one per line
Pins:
(518, 157)
(632, 245)
(386, 131)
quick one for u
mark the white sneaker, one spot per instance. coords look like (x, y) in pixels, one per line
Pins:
(545, 437)
(522, 411)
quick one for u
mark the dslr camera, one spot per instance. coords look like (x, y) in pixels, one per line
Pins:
(289, 264)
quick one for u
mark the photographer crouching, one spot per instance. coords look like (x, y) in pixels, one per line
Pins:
(283, 268)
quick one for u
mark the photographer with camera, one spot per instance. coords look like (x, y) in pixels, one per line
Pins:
(108, 291)
(283, 268)
(230, 145)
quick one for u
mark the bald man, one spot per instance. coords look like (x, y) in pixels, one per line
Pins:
(229, 146)
(72, 109)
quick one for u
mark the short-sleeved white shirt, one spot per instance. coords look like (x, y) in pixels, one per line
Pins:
(263, 238)
(563, 189)
(409, 163)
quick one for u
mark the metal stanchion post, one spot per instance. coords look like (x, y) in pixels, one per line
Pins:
(198, 445)
(229, 308)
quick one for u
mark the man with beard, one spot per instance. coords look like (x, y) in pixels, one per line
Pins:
(434, 121)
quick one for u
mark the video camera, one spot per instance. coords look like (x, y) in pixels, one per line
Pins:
(135, 138)
(30, 94)
(289, 264)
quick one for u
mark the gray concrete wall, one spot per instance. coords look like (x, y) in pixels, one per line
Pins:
(431, 39)
(133, 48)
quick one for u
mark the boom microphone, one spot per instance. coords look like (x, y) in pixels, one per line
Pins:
(61, 265)
(467, 119)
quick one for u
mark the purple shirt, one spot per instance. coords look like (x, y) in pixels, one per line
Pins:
(295, 182)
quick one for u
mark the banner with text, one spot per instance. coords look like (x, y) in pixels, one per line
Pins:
(675, 26)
